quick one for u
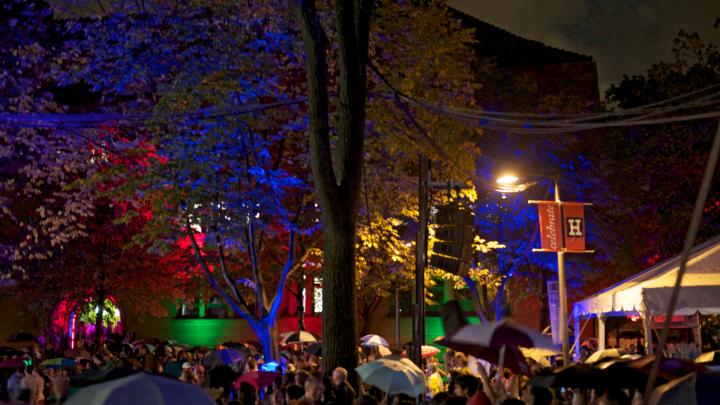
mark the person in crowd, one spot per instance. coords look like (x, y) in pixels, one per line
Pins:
(467, 386)
(14, 386)
(435, 381)
(294, 394)
(532, 395)
(314, 390)
(342, 390)
(187, 374)
(35, 383)
(59, 384)
(301, 376)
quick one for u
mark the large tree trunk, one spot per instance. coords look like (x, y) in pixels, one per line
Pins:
(265, 331)
(339, 300)
(337, 185)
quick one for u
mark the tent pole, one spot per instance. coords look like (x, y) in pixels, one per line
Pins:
(578, 332)
(647, 329)
(601, 331)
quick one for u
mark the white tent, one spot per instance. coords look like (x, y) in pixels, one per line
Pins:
(648, 292)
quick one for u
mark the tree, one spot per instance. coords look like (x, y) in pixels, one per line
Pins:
(337, 175)
(39, 215)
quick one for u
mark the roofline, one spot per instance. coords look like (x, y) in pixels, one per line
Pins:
(696, 251)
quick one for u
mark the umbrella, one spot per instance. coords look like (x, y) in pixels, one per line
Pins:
(624, 372)
(314, 349)
(22, 337)
(98, 376)
(539, 355)
(501, 333)
(428, 351)
(572, 376)
(513, 357)
(58, 362)
(140, 343)
(141, 389)
(257, 379)
(10, 352)
(393, 376)
(384, 351)
(373, 341)
(223, 356)
(14, 362)
(297, 337)
(604, 354)
(709, 357)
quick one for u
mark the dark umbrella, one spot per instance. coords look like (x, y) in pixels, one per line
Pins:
(514, 359)
(10, 352)
(15, 362)
(572, 376)
(97, 376)
(22, 337)
(314, 349)
(619, 373)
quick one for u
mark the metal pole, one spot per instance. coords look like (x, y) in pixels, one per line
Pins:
(420, 262)
(398, 342)
(563, 293)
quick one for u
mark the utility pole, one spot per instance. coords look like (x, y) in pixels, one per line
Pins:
(420, 262)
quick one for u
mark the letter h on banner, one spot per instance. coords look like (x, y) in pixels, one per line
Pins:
(562, 226)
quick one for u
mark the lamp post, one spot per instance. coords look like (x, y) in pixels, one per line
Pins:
(508, 184)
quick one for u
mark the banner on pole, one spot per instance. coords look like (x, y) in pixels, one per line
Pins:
(550, 226)
(574, 225)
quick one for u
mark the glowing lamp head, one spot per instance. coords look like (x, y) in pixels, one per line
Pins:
(507, 179)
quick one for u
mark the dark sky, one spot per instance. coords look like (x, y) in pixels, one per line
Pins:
(624, 36)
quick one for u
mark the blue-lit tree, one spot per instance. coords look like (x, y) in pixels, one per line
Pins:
(223, 180)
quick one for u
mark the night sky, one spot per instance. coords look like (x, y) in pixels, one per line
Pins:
(624, 36)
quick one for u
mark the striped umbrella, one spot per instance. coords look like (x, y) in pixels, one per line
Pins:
(297, 337)
(373, 341)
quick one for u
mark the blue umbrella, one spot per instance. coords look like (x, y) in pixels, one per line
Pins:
(58, 362)
(141, 389)
(223, 356)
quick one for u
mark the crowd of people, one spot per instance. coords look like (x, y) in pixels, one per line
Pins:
(452, 378)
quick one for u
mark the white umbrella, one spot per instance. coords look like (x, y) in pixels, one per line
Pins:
(604, 354)
(707, 357)
(297, 337)
(539, 355)
(373, 341)
(393, 376)
(141, 389)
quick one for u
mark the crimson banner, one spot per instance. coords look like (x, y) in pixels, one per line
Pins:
(550, 226)
(574, 225)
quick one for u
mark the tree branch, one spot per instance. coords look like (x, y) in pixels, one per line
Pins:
(213, 282)
(315, 42)
(283, 278)
(226, 276)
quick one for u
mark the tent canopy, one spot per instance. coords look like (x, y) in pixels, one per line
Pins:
(650, 289)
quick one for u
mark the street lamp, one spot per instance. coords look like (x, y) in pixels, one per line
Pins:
(507, 183)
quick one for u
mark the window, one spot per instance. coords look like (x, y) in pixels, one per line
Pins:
(317, 295)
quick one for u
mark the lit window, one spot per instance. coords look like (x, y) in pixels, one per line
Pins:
(317, 295)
